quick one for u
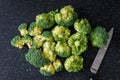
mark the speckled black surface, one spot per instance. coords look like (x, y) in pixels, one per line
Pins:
(99, 12)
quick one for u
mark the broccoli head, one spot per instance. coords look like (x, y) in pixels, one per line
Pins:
(60, 33)
(35, 57)
(27, 40)
(34, 29)
(47, 35)
(23, 29)
(37, 41)
(99, 36)
(73, 63)
(17, 42)
(62, 49)
(47, 70)
(66, 17)
(58, 65)
(48, 50)
(78, 43)
(82, 26)
(46, 20)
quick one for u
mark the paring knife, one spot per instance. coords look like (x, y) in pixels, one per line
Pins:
(100, 55)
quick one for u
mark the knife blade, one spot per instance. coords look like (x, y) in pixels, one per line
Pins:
(100, 55)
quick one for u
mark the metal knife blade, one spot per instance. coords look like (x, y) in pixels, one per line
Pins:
(100, 55)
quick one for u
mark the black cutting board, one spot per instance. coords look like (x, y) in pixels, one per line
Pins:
(13, 65)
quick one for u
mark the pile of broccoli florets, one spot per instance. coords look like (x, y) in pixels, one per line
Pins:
(51, 38)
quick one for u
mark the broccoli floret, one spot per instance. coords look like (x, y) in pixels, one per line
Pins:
(23, 29)
(17, 42)
(27, 40)
(47, 70)
(46, 20)
(58, 65)
(82, 26)
(73, 63)
(35, 57)
(60, 33)
(37, 41)
(78, 43)
(62, 49)
(49, 50)
(34, 29)
(66, 17)
(47, 35)
(99, 36)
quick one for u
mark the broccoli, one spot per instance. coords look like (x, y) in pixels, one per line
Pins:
(27, 40)
(49, 50)
(47, 70)
(58, 65)
(62, 49)
(60, 33)
(82, 26)
(23, 29)
(17, 42)
(73, 63)
(99, 36)
(66, 17)
(46, 20)
(78, 43)
(37, 41)
(47, 35)
(35, 57)
(34, 29)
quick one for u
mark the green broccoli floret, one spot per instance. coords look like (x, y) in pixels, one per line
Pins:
(78, 43)
(23, 29)
(99, 36)
(49, 50)
(58, 65)
(35, 57)
(66, 17)
(47, 70)
(73, 63)
(60, 33)
(34, 29)
(62, 49)
(37, 41)
(47, 35)
(27, 40)
(46, 20)
(17, 42)
(82, 26)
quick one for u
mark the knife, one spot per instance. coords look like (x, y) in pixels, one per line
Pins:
(100, 55)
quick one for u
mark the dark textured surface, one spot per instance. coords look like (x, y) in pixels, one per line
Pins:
(99, 12)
